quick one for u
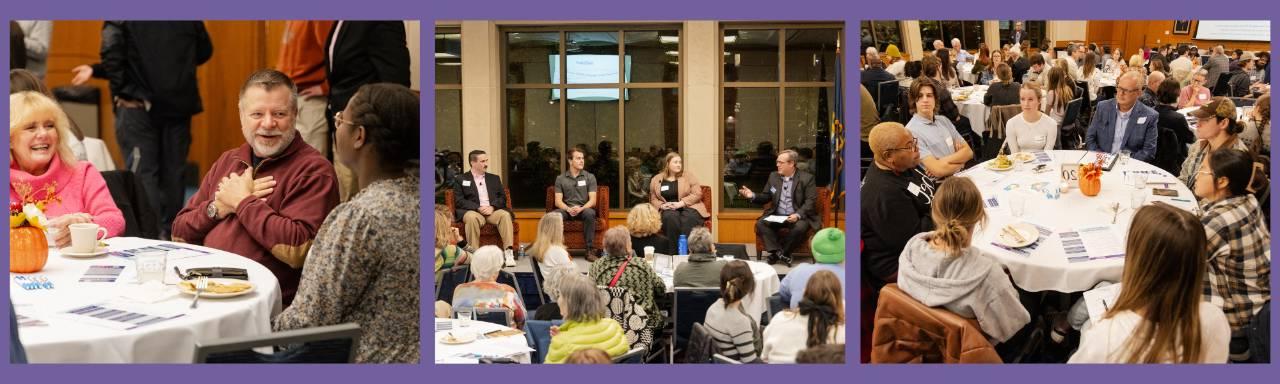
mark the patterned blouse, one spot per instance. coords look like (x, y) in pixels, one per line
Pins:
(639, 278)
(1239, 275)
(364, 268)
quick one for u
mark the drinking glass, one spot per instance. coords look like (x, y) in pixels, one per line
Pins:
(150, 266)
(464, 316)
(1136, 198)
(1017, 204)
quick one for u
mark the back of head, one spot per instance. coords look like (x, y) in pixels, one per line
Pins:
(736, 281)
(617, 242)
(589, 356)
(957, 209)
(1165, 263)
(550, 232)
(643, 220)
(390, 115)
(444, 229)
(1004, 73)
(486, 262)
(1263, 108)
(823, 303)
(580, 300)
(1243, 173)
(22, 80)
(700, 240)
(929, 66)
(1168, 91)
(822, 354)
(827, 246)
(874, 62)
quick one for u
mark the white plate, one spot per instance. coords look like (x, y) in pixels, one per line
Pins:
(69, 253)
(1023, 157)
(1028, 232)
(206, 294)
(459, 337)
(991, 164)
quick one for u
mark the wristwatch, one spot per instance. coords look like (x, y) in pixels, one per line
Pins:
(212, 210)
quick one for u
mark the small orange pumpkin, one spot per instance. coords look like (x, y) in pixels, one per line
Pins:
(28, 249)
(1090, 180)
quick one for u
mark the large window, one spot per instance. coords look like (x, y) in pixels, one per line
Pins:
(969, 33)
(1035, 31)
(880, 34)
(617, 98)
(448, 128)
(779, 91)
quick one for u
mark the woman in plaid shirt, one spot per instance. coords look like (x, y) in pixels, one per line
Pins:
(1239, 265)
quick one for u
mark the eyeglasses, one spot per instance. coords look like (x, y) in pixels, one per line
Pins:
(1128, 90)
(337, 117)
(910, 146)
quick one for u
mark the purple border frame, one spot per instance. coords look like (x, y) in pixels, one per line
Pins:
(429, 11)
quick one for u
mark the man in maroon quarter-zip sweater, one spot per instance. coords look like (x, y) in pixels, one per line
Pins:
(266, 199)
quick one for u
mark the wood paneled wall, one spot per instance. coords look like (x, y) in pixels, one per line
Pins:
(239, 48)
(1130, 35)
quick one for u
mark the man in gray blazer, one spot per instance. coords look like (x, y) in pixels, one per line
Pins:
(1124, 124)
(794, 195)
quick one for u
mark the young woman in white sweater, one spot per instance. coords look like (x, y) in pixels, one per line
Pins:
(1030, 130)
(735, 333)
(1160, 316)
(818, 320)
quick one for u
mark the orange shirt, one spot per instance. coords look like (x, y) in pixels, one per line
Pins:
(302, 53)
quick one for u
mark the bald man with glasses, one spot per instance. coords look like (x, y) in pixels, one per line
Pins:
(896, 200)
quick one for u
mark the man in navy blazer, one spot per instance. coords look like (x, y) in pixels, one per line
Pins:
(479, 199)
(1123, 117)
(793, 194)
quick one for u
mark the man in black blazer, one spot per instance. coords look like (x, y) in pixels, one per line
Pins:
(874, 75)
(478, 199)
(794, 195)
(358, 53)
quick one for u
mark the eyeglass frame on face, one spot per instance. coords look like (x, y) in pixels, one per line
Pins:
(337, 118)
(913, 146)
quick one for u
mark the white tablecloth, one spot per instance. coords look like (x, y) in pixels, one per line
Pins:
(461, 353)
(1107, 79)
(66, 340)
(1047, 268)
(972, 106)
(767, 282)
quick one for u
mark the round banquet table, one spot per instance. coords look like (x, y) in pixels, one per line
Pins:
(969, 100)
(1046, 267)
(52, 336)
(466, 353)
(767, 282)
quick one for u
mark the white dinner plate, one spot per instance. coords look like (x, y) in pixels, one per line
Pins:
(455, 338)
(80, 255)
(1028, 232)
(190, 290)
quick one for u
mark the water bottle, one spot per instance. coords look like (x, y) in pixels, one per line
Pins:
(520, 254)
(684, 245)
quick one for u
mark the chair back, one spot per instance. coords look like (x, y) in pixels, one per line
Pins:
(140, 218)
(700, 347)
(689, 307)
(1072, 113)
(888, 96)
(1244, 101)
(499, 316)
(334, 344)
(634, 356)
(738, 251)
(907, 331)
(538, 334)
(1223, 87)
(537, 280)
(450, 280)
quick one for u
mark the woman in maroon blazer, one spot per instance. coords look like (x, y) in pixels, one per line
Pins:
(678, 198)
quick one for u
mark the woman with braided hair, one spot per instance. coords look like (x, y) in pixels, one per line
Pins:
(736, 333)
(819, 317)
(941, 268)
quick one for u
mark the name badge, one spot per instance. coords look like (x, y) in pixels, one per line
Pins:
(773, 190)
(665, 188)
(466, 183)
(582, 183)
(1041, 138)
(1204, 96)
(1142, 120)
(913, 188)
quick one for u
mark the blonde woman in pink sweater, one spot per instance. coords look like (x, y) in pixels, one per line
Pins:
(42, 168)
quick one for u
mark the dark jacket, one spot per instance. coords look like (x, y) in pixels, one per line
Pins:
(1239, 82)
(275, 231)
(1020, 67)
(872, 78)
(17, 46)
(155, 61)
(1170, 157)
(804, 196)
(894, 208)
(365, 52)
(467, 198)
(1002, 93)
(661, 244)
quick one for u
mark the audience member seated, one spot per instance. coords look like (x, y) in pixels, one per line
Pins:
(828, 255)
(943, 269)
(1170, 158)
(1259, 121)
(791, 193)
(895, 201)
(589, 356)
(618, 268)
(1148, 97)
(576, 198)
(1244, 76)
(1239, 242)
(875, 74)
(943, 152)
(1090, 74)
(1060, 93)
(485, 291)
(377, 138)
(554, 279)
(990, 73)
(1159, 316)
(1036, 71)
(703, 268)
(1002, 91)
(735, 332)
(265, 199)
(42, 169)
(585, 325)
(1195, 94)
(819, 319)
(548, 247)
(1216, 128)
(822, 354)
(678, 197)
(644, 224)
(1030, 130)
(1123, 124)
(449, 243)
(480, 199)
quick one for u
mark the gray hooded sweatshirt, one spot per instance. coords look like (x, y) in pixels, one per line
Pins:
(970, 285)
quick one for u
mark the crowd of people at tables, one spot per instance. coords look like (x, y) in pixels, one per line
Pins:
(273, 200)
(1192, 282)
(812, 292)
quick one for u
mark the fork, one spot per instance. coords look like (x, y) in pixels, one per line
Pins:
(201, 284)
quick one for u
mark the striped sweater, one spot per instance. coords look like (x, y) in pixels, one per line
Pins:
(736, 334)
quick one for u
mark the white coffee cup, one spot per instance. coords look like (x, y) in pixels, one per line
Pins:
(85, 237)
(648, 252)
